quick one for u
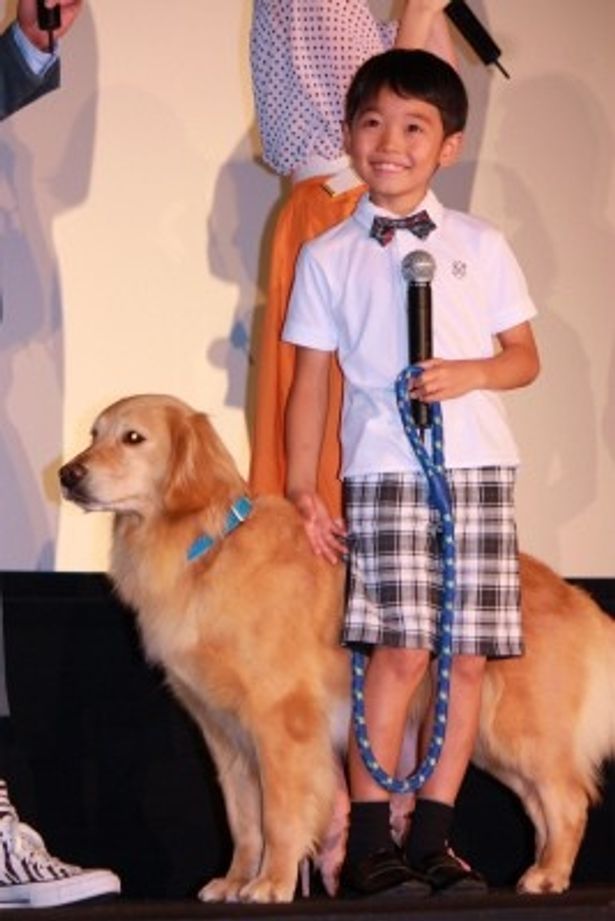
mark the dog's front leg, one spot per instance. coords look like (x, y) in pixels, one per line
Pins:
(233, 756)
(297, 772)
(236, 773)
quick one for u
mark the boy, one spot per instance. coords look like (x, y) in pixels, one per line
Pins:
(405, 113)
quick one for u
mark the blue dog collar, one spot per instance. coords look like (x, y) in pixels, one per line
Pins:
(238, 513)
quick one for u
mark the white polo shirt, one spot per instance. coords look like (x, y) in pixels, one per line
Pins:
(349, 296)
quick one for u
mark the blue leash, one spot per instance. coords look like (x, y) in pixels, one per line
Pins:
(440, 500)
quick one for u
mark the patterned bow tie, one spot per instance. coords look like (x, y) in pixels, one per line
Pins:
(383, 228)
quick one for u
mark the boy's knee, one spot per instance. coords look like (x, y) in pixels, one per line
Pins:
(404, 665)
(470, 669)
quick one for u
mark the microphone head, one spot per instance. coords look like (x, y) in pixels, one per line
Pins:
(419, 267)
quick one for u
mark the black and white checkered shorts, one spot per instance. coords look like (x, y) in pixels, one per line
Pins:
(394, 562)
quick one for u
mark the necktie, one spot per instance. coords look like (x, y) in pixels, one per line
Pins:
(383, 228)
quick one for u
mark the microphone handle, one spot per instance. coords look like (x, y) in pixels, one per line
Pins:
(48, 19)
(474, 33)
(420, 341)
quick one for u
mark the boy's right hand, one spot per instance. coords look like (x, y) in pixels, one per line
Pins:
(325, 534)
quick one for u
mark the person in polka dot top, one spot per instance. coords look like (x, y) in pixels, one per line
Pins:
(303, 55)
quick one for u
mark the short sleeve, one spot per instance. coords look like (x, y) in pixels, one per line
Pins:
(309, 319)
(509, 297)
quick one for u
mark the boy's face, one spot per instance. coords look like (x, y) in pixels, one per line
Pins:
(396, 145)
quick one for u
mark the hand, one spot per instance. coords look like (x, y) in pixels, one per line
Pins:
(325, 534)
(26, 17)
(444, 380)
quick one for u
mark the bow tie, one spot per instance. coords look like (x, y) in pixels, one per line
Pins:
(383, 228)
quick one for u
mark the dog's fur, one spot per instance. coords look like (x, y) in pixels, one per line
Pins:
(248, 636)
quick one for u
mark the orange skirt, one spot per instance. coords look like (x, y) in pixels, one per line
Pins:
(309, 211)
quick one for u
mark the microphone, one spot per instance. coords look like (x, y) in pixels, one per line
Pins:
(474, 33)
(418, 269)
(48, 19)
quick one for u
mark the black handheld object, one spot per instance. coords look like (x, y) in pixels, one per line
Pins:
(48, 19)
(474, 33)
(418, 269)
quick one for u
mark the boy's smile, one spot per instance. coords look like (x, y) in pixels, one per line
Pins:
(396, 145)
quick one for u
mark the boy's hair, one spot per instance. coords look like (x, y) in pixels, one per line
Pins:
(413, 74)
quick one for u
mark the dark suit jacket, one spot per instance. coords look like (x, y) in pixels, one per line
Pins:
(18, 85)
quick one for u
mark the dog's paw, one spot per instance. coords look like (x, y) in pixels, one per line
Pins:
(266, 889)
(539, 880)
(222, 889)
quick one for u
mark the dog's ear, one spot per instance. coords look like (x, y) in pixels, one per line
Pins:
(202, 473)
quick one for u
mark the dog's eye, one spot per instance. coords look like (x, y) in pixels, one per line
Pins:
(132, 438)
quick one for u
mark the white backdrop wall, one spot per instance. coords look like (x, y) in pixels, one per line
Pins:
(135, 222)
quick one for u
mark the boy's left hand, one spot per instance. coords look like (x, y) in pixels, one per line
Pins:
(444, 379)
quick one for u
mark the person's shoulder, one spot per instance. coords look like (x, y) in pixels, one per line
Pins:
(474, 233)
(331, 242)
(462, 222)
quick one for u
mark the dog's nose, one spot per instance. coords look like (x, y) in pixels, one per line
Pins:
(72, 474)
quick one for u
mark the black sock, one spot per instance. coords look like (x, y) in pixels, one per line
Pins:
(370, 829)
(430, 827)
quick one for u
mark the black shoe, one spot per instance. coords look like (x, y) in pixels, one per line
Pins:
(445, 872)
(384, 872)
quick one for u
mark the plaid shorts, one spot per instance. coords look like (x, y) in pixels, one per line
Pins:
(394, 562)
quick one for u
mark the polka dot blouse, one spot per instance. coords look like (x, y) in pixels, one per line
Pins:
(303, 55)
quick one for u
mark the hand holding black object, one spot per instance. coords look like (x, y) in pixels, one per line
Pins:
(474, 33)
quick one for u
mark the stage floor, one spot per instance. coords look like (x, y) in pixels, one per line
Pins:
(581, 904)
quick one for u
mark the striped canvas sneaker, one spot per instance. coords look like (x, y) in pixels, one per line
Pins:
(30, 876)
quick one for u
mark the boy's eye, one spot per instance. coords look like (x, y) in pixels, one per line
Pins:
(369, 121)
(413, 128)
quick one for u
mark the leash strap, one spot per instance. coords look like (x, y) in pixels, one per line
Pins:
(239, 511)
(440, 500)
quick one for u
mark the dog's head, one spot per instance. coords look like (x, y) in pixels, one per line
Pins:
(151, 455)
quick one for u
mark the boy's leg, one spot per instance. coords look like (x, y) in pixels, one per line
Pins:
(392, 676)
(427, 845)
(487, 623)
(372, 863)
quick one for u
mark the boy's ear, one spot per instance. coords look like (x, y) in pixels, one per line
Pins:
(451, 148)
(346, 136)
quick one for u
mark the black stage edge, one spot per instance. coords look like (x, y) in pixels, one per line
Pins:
(577, 905)
(106, 766)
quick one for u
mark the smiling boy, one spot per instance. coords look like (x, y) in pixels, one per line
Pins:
(405, 114)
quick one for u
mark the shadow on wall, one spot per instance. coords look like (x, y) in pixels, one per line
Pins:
(559, 149)
(455, 186)
(239, 230)
(45, 163)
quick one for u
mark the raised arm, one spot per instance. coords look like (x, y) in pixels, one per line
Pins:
(424, 25)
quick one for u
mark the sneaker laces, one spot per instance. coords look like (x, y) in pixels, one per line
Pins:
(26, 845)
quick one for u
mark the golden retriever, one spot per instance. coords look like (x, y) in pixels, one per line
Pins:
(247, 633)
